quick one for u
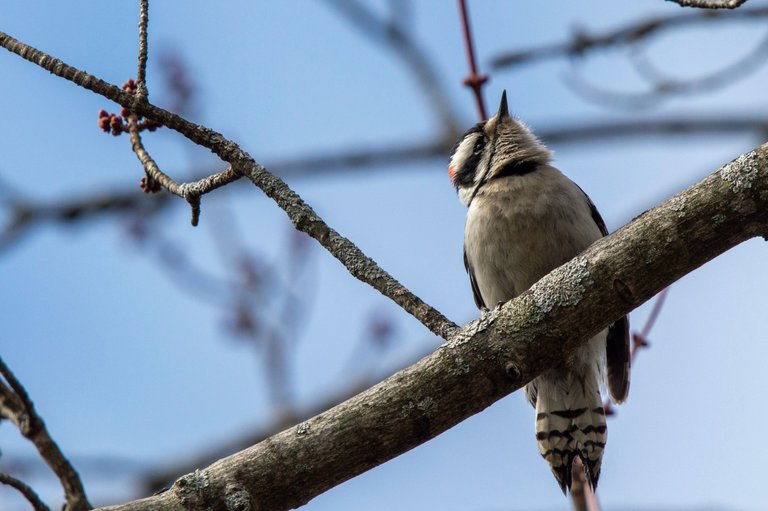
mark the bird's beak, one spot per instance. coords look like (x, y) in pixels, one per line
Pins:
(503, 108)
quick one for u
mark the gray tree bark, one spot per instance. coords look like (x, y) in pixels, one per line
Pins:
(490, 357)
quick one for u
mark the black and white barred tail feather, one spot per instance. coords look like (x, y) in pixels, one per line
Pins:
(568, 426)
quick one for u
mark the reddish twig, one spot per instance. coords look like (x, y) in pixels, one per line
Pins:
(640, 340)
(582, 495)
(474, 81)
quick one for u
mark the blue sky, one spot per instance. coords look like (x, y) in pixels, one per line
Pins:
(124, 364)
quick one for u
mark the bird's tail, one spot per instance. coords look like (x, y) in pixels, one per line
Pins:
(570, 422)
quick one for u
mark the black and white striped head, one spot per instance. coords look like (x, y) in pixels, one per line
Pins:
(499, 147)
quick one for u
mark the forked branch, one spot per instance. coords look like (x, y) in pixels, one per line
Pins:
(300, 213)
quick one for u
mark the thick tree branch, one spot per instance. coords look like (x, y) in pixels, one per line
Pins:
(300, 213)
(491, 357)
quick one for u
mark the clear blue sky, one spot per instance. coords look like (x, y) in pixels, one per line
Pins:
(125, 365)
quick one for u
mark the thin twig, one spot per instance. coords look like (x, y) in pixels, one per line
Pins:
(141, 74)
(633, 33)
(25, 490)
(641, 339)
(662, 87)
(33, 428)
(299, 212)
(191, 192)
(583, 495)
(474, 81)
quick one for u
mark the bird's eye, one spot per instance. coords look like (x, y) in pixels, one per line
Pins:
(479, 145)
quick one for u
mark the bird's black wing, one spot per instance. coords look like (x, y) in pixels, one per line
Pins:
(596, 215)
(617, 355)
(475, 289)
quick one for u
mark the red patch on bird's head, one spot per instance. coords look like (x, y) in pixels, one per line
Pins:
(452, 174)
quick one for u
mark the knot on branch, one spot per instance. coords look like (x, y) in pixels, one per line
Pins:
(513, 372)
(475, 81)
(237, 499)
(191, 489)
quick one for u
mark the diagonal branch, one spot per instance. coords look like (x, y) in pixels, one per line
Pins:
(16, 405)
(32, 497)
(300, 213)
(491, 357)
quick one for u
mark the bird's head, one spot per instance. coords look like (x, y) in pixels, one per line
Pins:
(500, 147)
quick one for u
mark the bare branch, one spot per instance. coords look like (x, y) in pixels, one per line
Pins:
(25, 490)
(582, 496)
(663, 87)
(582, 41)
(141, 73)
(493, 356)
(189, 191)
(16, 405)
(23, 216)
(300, 213)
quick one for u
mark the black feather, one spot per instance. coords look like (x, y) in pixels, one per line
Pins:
(617, 359)
(617, 354)
(473, 282)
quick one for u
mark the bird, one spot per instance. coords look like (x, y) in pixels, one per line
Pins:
(524, 219)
